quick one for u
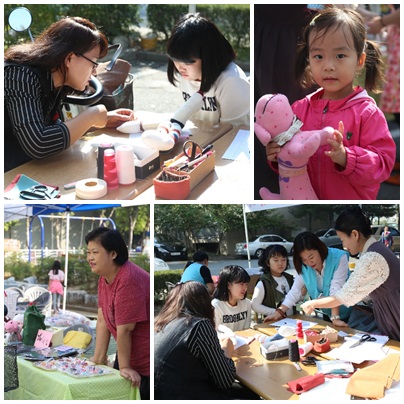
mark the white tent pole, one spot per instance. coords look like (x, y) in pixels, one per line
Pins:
(246, 236)
(66, 258)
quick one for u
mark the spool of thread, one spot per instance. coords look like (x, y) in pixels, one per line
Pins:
(100, 158)
(125, 164)
(305, 348)
(110, 172)
(91, 188)
(294, 355)
(299, 329)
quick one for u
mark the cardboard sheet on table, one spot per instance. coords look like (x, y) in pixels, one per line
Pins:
(239, 150)
(336, 388)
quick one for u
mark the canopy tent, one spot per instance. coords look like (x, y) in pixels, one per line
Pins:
(253, 208)
(32, 211)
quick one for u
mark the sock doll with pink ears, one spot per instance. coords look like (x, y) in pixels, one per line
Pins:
(275, 121)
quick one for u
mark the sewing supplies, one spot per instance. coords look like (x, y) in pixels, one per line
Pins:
(125, 164)
(110, 171)
(100, 158)
(191, 150)
(309, 361)
(364, 338)
(294, 355)
(37, 192)
(322, 345)
(305, 348)
(299, 329)
(70, 185)
(91, 188)
(195, 161)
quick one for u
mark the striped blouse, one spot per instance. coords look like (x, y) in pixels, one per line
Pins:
(31, 116)
(203, 344)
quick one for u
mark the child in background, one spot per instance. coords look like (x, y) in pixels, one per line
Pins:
(232, 308)
(362, 153)
(202, 60)
(274, 282)
(56, 279)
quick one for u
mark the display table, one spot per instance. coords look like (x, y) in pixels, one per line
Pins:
(38, 384)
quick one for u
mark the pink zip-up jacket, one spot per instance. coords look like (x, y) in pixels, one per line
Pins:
(371, 151)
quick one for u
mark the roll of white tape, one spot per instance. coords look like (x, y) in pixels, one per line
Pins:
(91, 188)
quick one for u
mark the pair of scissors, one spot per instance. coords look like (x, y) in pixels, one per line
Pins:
(36, 192)
(192, 150)
(364, 338)
(309, 361)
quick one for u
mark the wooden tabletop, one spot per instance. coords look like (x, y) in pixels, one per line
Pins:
(73, 165)
(269, 378)
(231, 180)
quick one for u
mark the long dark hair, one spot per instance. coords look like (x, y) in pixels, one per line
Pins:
(189, 299)
(230, 274)
(332, 19)
(353, 218)
(50, 49)
(307, 241)
(272, 251)
(56, 267)
(195, 37)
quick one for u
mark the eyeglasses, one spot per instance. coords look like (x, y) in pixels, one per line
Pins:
(95, 64)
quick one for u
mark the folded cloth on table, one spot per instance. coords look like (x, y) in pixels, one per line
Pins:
(372, 381)
(306, 383)
(77, 339)
(22, 183)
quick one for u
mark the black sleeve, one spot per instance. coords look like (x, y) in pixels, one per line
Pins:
(204, 344)
(206, 275)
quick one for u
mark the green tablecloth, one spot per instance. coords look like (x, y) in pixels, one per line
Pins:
(38, 384)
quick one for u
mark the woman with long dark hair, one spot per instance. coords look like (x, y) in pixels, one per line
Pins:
(37, 77)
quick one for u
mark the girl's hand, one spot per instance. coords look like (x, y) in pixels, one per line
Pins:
(272, 317)
(272, 149)
(337, 152)
(119, 116)
(227, 346)
(131, 375)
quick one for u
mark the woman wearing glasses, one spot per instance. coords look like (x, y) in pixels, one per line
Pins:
(37, 77)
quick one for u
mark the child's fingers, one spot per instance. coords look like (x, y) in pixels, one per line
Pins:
(341, 127)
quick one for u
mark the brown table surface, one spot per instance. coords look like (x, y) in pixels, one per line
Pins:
(72, 165)
(229, 182)
(269, 378)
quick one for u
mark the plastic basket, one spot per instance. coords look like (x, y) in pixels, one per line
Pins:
(10, 368)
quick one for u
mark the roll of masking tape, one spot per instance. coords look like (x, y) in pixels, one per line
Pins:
(91, 188)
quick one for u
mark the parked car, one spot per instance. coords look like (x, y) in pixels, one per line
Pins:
(377, 231)
(258, 245)
(167, 247)
(160, 265)
(330, 239)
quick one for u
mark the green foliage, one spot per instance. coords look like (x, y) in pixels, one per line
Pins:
(112, 19)
(16, 267)
(233, 20)
(160, 287)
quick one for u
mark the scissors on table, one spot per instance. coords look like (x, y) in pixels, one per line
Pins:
(364, 338)
(36, 192)
(192, 150)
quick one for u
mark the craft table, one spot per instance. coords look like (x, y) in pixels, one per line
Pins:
(38, 384)
(73, 165)
(231, 179)
(269, 378)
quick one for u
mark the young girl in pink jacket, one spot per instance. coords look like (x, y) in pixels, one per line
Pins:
(362, 153)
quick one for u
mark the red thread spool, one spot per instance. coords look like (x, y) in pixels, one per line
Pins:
(299, 329)
(110, 171)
